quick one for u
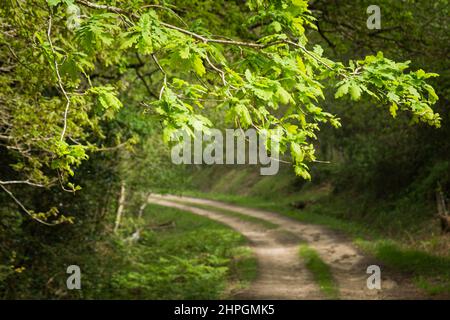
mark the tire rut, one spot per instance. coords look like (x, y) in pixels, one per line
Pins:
(281, 273)
(347, 263)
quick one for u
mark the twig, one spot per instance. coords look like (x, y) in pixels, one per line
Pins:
(205, 39)
(25, 209)
(321, 161)
(61, 183)
(119, 146)
(165, 76)
(22, 182)
(60, 84)
(221, 72)
(141, 77)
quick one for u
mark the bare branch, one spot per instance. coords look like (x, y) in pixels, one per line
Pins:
(60, 83)
(119, 146)
(221, 72)
(164, 73)
(5, 138)
(142, 78)
(9, 193)
(28, 182)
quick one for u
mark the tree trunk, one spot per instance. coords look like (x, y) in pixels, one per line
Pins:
(442, 210)
(143, 206)
(121, 206)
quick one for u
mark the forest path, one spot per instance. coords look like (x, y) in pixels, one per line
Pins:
(281, 271)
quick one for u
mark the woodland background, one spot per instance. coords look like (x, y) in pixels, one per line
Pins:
(379, 186)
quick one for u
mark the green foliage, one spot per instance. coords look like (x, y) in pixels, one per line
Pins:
(83, 107)
(419, 263)
(192, 260)
(381, 159)
(267, 79)
(147, 35)
(385, 80)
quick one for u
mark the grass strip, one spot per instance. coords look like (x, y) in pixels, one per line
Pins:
(320, 271)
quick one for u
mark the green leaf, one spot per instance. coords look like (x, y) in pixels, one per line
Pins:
(393, 97)
(302, 172)
(248, 75)
(53, 3)
(284, 96)
(244, 114)
(276, 26)
(393, 109)
(198, 66)
(342, 90)
(297, 152)
(263, 94)
(355, 91)
(129, 40)
(433, 97)
(318, 50)
(185, 53)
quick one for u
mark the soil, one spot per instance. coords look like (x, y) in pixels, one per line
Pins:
(281, 272)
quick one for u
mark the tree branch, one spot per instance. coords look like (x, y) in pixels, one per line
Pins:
(60, 84)
(165, 76)
(142, 78)
(205, 39)
(28, 182)
(9, 193)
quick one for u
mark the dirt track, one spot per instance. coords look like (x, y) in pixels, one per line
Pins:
(281, 273)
